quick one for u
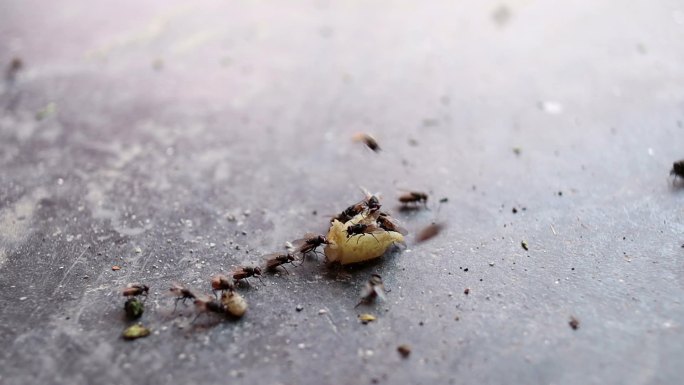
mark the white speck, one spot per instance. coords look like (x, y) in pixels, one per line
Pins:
(212, 245)
(23, 298)
(69, 238)
(322, 311)
(369, 353)
(301, 346)
(138, 250)
(650, 151)
(61, 267)
(181, 356)
(551, 107)
(491, 263)
(170, 151)
(60, 181)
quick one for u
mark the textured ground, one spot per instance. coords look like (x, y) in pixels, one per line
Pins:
(178, 140)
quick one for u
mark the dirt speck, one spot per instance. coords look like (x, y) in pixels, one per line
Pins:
(404, 350)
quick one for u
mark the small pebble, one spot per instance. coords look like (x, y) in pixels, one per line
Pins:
(299, 308)
(116, 268)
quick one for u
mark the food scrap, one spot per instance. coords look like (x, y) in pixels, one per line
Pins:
(116, 268)
(365, 318)
(235, 305)
(135, 331)
(348, 242)
(134, 308)
(524, 245)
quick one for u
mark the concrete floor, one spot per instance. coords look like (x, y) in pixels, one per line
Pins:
(179, 140)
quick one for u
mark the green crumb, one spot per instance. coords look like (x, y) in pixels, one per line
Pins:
(134, 308)
(46, 111)
(135, 331)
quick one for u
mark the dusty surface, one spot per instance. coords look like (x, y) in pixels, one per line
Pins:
(161, 139)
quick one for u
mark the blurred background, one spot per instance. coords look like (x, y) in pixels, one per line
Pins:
(181, 139)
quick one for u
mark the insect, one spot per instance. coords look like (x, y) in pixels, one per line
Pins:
(414, 197)
(373, 289)
(370, 203)
(135, 289)
(182, 293)
(361, 229)
(677, 170)
(205, 304)
(388, 223)
(245, 272)
(429, 232)
(309, 243)
(277, 259)
(221, 283)
(368, 140)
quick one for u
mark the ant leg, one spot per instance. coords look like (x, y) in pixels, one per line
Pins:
(376, 239)
(283, 266)
(260, 280)
(196, 317)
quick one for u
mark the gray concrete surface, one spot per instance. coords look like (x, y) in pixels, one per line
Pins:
(135, 132)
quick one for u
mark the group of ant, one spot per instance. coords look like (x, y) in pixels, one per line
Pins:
(374, 221)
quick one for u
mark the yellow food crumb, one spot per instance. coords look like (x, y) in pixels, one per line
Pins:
(360, 247)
